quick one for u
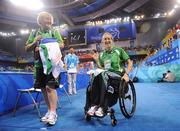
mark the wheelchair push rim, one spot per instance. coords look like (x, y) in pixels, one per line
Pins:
(127, 98)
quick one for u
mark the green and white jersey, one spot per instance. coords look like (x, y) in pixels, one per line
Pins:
(45, 34)
(112, 60)
(50, 55)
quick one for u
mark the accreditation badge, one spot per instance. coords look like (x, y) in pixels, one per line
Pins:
(72, 65)
(107, 64)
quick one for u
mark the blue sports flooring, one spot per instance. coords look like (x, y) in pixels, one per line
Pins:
(158, 108)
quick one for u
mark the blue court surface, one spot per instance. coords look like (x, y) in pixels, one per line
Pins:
(158, 108)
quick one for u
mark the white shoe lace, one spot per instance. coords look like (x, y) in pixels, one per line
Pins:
(52, 118)
(92, 110)
(44, 118)
(99, 112)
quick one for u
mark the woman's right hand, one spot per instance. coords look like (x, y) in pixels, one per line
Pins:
(95, 56)
(38, 38)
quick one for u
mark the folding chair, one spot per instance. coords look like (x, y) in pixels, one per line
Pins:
(29, 91)
(62, 86)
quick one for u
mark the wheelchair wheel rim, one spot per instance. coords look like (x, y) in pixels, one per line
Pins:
(127, 110)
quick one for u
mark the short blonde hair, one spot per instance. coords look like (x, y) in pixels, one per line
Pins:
(41, 16)
(107, 33)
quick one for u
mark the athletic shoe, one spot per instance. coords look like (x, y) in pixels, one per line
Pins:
(99, 112)
(92, 110)
(45, 118)
(75, 93)
(52, 118)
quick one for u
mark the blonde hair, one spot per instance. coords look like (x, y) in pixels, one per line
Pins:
(106, 33)
(41, 16)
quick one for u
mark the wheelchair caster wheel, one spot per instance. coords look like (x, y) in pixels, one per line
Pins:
(88, 118)
(113, 122)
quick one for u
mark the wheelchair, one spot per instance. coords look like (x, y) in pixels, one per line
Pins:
(117, 89)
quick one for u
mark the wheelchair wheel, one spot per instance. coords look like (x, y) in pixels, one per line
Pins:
(127, 98)
(113, 122)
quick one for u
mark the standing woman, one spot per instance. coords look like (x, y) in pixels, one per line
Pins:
(46, 82)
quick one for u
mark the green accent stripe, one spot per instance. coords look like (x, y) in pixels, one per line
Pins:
(48, 62)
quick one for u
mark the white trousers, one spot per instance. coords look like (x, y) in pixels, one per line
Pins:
(72, 83)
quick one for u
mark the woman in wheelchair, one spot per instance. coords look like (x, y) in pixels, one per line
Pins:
(102, 92)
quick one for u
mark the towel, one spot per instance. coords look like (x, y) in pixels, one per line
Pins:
(50, 54)
(96, 71)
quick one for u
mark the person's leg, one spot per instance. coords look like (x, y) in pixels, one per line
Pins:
(40, 82)
(101, 97)
(102, 89)
(46, 98)
(96, 91)
(52, 98)
(44, 92)
(98, 95)
(74, 83)
(51, 85)
(93, 96)
(69, 83)
(107, 83)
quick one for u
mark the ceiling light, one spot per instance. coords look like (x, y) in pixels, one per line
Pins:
(157, 15)
(24, 31)
(135, 16)
(142, 16)
(124, 20)
(171, 12)
(29, 4)
(7, 34)
(176, 6)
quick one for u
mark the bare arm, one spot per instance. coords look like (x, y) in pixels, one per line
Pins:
(129, 68)
(96, 58)
(31, 46)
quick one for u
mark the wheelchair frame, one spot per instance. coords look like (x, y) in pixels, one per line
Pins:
(122, 98)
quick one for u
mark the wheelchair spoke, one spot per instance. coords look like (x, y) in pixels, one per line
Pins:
(127, 99)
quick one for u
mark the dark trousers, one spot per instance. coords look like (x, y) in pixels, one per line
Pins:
(98, 91)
